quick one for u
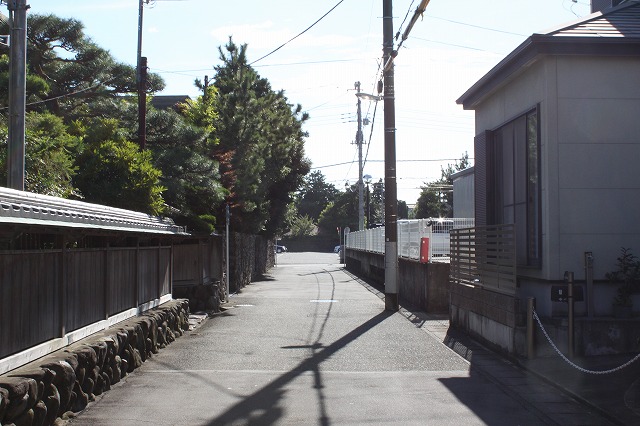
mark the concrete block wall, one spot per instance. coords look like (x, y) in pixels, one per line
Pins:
(421, 285)
(62, 383)
(424, 285)
(488, 316)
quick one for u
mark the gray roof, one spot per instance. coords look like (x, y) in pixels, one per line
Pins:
(614, 32)
(27, 208)
(168, 101)
(620, 21)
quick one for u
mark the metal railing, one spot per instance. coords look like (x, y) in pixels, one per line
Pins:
(410, 238)
(484, 255)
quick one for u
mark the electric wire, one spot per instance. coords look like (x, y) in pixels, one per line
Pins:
(404, 20)
(295, 37)
(65, 94)
(373, 119)
(477, 26)
(352, 162)
(382, 161)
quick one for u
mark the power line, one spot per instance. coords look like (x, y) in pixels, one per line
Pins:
(66, 94)
(404, 20)
(382, 161)
(457, 45)
(477, 26)
(352, 162)
(290, 40)
(328, 61)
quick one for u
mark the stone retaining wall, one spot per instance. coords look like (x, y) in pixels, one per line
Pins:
(64, 382)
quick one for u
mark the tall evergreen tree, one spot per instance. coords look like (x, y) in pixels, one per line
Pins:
(67, 73)
(181, 150)
(49, 155)
(116, 173)
(261, 144)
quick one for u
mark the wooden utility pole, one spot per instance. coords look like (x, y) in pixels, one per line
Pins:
(359, 142)
(206, 87)
(141, 81)
(390, 184)
(142, 103)
(17, 93)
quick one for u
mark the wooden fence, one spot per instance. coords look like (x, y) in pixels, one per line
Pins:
(47, 294)
(484, 256)
(198, 263)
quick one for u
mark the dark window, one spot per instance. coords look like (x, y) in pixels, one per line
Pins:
(513, 175)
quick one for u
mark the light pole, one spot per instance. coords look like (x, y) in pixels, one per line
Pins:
(359, 141)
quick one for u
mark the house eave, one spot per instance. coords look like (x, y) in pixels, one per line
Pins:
(533, 49)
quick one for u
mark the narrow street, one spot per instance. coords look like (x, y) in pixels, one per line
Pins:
(309, 344)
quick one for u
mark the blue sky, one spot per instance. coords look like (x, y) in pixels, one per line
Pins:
(452, 47)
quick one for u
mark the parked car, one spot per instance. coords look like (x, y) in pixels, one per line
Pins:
(337, 249)
(281, 249)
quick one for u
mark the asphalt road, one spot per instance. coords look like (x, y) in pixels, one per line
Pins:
(307, 345)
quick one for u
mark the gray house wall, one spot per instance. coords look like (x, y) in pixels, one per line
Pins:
(598, 149)
(530, 87)
(463, 193)
(590, 143)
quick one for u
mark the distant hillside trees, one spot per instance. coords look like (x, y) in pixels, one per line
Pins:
(315, 195)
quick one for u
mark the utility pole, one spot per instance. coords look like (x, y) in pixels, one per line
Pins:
(390, 184)
(206, 87)
(142, 104)
(17, 93)
(359, 141)
(141, 81)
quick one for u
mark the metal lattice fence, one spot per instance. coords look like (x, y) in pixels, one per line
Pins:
(412, 234)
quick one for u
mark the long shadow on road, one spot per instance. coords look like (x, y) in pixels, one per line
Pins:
(262, 407)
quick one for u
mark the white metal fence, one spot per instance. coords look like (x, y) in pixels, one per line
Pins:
(410, 238)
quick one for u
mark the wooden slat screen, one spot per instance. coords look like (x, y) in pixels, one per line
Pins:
(484, 255)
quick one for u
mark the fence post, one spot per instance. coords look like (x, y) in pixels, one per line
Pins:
(531, 301)
(107, 282)
(62, 290)
(569, 277)
(137, 278)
